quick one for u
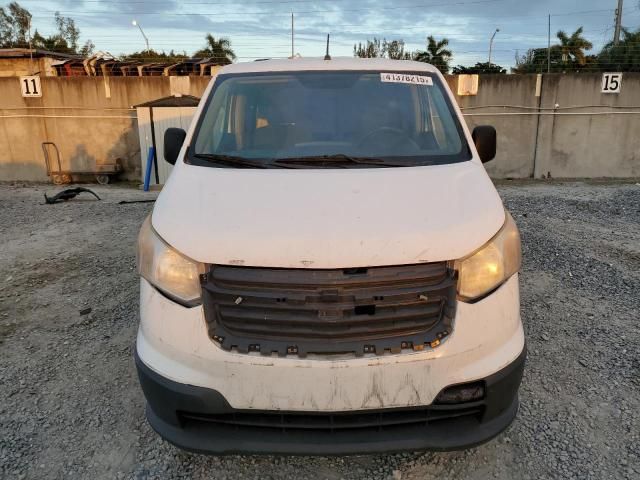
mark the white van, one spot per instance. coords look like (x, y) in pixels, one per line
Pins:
(329, 269)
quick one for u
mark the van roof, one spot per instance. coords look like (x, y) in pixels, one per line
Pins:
(319, 64)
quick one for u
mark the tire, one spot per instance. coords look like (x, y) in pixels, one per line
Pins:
(103, 179)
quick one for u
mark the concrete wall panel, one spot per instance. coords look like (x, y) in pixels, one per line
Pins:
(569, 146)
(516, 134)
(21, 156)
(591, 142)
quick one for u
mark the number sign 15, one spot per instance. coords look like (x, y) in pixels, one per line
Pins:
(30, 86)
(611, 82)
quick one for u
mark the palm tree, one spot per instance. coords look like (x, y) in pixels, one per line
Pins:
(436, 54)
(219, 50)
(573, 47)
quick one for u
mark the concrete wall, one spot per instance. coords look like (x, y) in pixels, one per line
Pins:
(589, 135)
(97, 125)
(516, 134)
(589, 145)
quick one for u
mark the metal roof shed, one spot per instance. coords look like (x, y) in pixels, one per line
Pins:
(154, 118)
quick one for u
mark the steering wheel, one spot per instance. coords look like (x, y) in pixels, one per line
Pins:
(385, 135)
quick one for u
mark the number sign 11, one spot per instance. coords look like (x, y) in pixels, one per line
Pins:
(30, 86)
(611, 82)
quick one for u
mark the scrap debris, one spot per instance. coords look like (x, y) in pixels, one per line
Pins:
(68, 195)
(127, 202)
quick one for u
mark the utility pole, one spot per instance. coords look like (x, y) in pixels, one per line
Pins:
(549, 47)
(31, 49)
(327, 56)
(616, 35)
(292, 36)
(491, 45)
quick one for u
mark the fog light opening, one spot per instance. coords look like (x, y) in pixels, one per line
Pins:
(466, 392)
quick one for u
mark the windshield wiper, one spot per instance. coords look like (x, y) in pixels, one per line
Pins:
(235, 161)
(339, 159)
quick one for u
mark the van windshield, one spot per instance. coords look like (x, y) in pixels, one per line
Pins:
(328, 120)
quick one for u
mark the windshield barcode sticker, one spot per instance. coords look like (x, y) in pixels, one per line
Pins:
(406, 78)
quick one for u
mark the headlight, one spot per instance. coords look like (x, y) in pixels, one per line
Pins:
(489, 267)
(172, 273)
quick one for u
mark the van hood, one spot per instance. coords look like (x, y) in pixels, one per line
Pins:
(328, 218)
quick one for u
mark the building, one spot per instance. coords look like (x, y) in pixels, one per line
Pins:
(26, 61)
(15, 62)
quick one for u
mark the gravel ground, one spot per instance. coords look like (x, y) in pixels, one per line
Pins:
(70, 405)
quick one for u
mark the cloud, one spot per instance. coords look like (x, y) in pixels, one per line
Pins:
(261, 28)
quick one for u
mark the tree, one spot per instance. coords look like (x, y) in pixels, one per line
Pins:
(572, 47)
(479, 68)
(220, 50)
(53, 43)
(394, 50)
(536, 61)
(68, 31)
(65, 41)
(623, 57)
(153, 56)
(15, 22)
(376, 48)
(87, 48)
(372, 49)
(568, 55)
(436, 54)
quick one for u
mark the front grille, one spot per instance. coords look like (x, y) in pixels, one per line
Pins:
(303, 311)
(338, 422)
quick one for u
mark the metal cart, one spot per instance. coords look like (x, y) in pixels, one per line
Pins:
(103, 173)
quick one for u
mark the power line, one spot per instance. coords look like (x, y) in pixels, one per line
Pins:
(598, 12)
(309, 12)
(483, 19)
(142, 2)
(314, 37)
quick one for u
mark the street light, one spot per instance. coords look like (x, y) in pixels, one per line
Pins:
(136, 24)
(491, 45)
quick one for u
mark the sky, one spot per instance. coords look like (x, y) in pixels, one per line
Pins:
(262, 28)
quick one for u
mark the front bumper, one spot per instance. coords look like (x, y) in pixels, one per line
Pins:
(174, 342)
(201, 420)
(183, 370)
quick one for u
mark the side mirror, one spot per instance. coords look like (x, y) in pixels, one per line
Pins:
(173, 140)
(486, 140)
